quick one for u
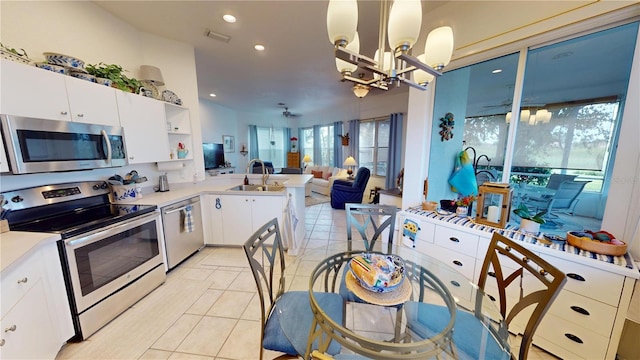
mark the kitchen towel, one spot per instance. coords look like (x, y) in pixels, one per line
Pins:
(188, 219)
(290, 225)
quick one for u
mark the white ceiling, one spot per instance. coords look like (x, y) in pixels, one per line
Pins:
(298, 68)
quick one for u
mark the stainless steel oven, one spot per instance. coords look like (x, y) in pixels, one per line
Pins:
(39, 145)
(110, 254)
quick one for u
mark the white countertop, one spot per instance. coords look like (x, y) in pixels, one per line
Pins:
(16, 244)
(220, 185)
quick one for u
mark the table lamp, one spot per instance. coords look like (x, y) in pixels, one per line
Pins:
(350, 162)
(306, 160)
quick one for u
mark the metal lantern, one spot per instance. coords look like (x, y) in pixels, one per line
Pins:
(494, 204)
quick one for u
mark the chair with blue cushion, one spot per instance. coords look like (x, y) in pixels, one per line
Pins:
(343, 192)
(535, 299)
(286, 317)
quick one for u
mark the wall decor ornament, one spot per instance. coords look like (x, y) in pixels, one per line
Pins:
(446, 126)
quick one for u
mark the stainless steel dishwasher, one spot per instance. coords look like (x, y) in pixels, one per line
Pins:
(182, 224)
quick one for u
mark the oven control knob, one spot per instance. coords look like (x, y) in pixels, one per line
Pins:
(96, 187)
(104, 185)
(17, 199)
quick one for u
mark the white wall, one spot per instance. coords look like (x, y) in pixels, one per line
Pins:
(85, 31)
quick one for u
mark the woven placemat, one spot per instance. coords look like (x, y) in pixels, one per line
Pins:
(394, 297)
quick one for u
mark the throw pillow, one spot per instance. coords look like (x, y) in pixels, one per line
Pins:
(316, 174)
(326, 175)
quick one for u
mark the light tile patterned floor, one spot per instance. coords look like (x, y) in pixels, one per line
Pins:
(208, 308)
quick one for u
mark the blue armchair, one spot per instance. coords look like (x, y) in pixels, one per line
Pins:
(347, 192)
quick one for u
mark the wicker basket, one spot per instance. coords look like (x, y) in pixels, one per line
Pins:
(596, 246)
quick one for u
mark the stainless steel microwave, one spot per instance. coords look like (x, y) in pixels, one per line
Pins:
(39, 145)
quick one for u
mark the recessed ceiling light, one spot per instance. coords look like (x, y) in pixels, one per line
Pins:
(496, 71)
(229, 18)
(212, 95)
(259, 47)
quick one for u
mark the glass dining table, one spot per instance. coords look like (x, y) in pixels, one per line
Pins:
(418, 319)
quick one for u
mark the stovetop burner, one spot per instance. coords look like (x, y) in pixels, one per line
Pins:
(67, 209)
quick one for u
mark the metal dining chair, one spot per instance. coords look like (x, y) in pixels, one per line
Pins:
(521, 262)
(285, 316)
(370, 223)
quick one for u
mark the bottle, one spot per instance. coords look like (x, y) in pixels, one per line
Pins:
(246, 180)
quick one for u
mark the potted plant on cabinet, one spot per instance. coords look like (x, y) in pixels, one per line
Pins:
(529, 223)
(115, 74)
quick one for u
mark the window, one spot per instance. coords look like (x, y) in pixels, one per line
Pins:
(326, 139)
(307, 142)
(374, 146)
(566, 122)
(271, 145)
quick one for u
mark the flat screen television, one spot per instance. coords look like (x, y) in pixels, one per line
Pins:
(213, 156)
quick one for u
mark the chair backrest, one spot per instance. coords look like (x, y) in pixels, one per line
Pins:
(362, 178)
(556, 179)
(566, 193)
(370, 222)
(508, 263)
(266, 258)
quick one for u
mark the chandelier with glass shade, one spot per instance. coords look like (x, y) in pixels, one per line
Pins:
(400, 22)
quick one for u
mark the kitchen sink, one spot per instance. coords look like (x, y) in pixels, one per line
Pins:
(257, 188)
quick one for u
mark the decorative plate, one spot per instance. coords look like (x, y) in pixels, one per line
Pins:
(14, 57)
(170, 97)
(55, 68)
(63, 60)
(377, 272)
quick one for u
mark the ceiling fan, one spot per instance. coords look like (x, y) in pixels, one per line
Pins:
(286, 113)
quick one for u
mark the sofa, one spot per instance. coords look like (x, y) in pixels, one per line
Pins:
(324, 177)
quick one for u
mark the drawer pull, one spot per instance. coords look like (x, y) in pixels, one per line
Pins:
(1, 342)
(23, 280)
(492, 274)
(10, 328)
(455, 283)
(457, 262)
(574, 338)
(491, 297)
(63, 113)
(454, 239)
(580, 310)
(575, 277)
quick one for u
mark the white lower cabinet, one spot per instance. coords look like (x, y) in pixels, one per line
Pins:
(35, 318)
(584, 321)
(233, 218)
(27, 328)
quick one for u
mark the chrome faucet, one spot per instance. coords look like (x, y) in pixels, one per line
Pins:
(265, 173)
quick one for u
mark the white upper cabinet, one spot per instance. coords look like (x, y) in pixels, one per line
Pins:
(145, 129)
(32, 92)
(91, 103)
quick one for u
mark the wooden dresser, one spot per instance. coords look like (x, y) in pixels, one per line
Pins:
(293, 159)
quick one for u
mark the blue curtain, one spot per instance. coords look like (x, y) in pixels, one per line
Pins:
(354, 140)
(337, 144)
(317, 153)
(394, 164)
(253, 142)
(287, 142)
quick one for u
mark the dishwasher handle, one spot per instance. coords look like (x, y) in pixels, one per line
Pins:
(172, 210)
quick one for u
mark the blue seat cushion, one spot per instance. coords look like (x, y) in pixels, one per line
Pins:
(427, 320)
(296, 319)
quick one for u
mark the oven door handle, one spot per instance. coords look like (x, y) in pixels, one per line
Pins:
(171, 211)
(85, 239)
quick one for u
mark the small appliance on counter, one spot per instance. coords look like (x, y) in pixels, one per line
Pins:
(163, 183)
